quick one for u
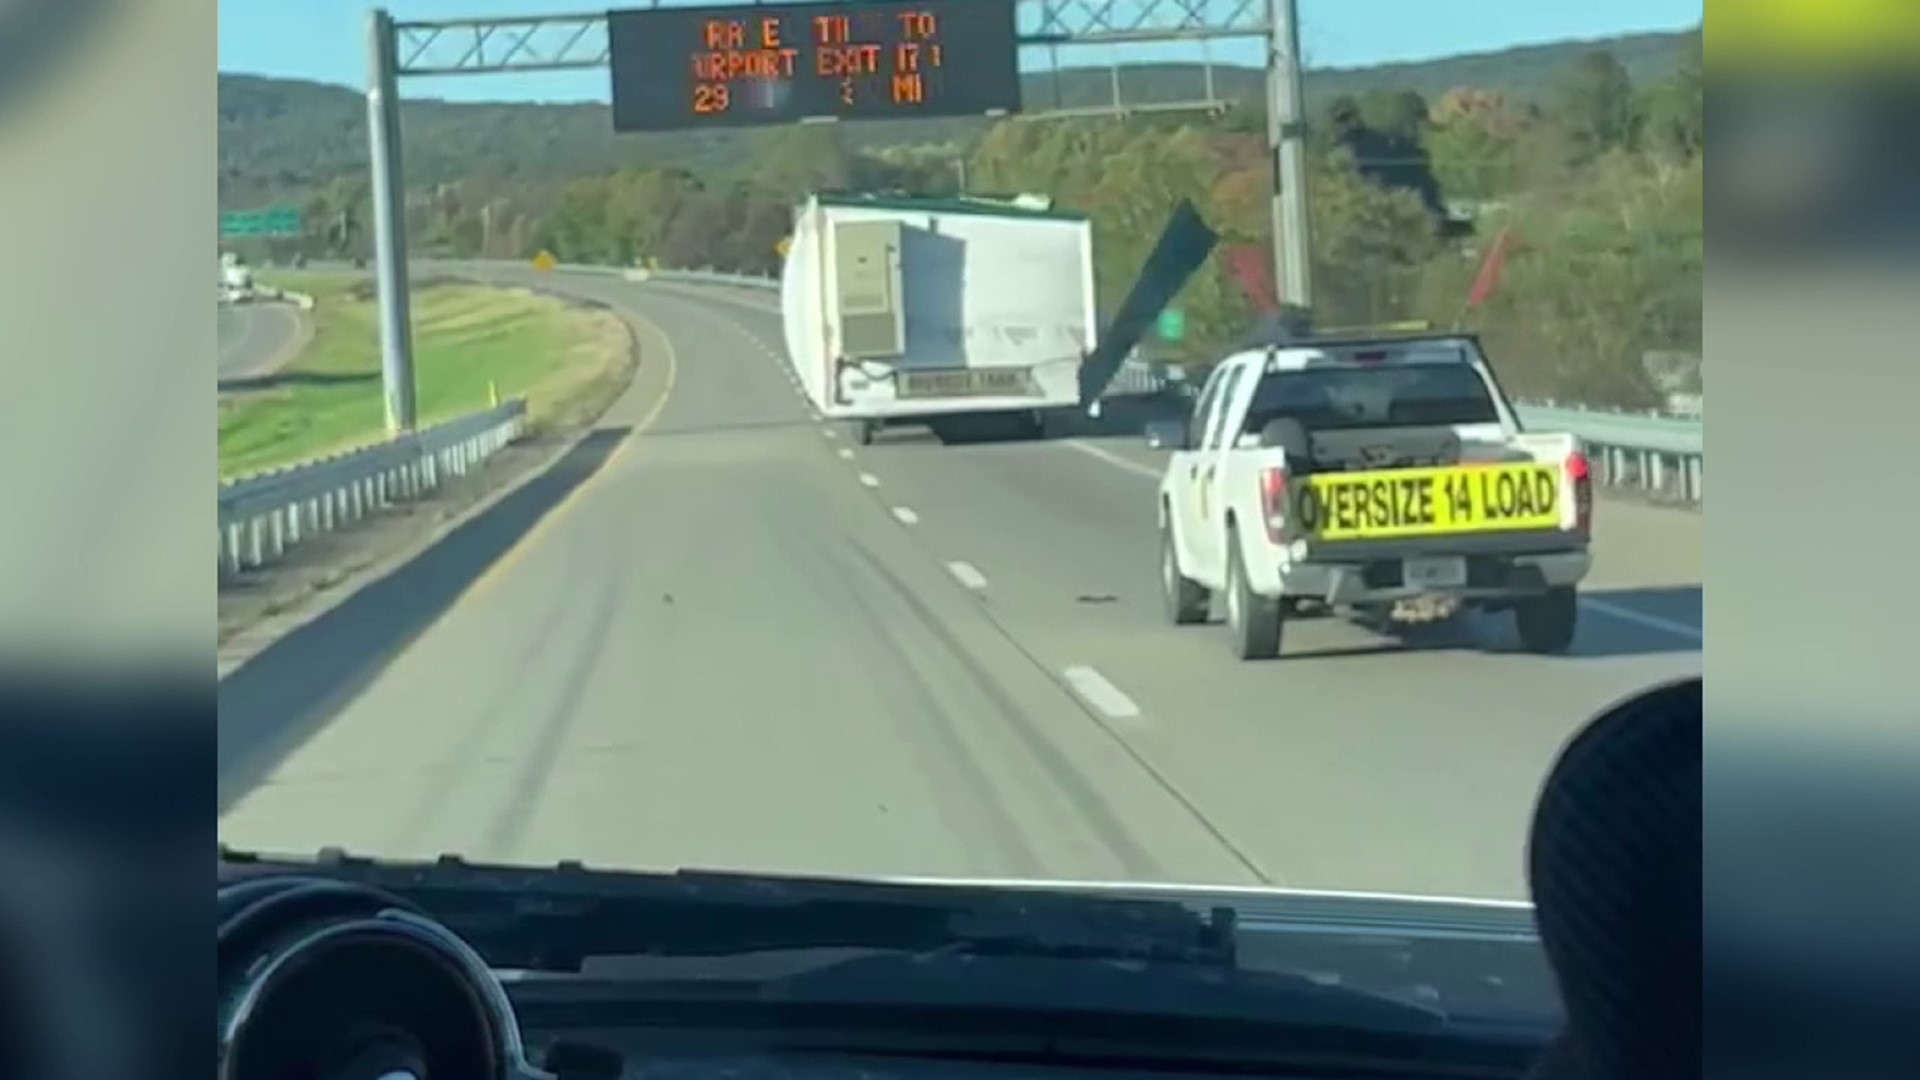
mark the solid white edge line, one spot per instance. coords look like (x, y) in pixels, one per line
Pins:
(1096, 691)
(867, 479)
(905, 515)
(1112, 458)
(1200, 890)
(1651, 622)
(966, 574)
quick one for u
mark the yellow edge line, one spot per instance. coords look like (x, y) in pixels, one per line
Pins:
(501, 565)
(548, 521)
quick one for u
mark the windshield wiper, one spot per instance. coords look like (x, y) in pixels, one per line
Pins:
(554, 919)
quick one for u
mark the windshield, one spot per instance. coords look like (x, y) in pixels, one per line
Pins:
(678, 482)
(1356, 396)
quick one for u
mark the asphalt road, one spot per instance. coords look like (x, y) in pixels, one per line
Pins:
(740, 643)
(254, 337)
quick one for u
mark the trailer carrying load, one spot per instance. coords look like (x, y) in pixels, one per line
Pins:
(966, 315)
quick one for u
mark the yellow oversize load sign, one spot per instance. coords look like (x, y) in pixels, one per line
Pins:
(1428, 502)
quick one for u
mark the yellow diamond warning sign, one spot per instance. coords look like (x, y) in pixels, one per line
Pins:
(545, 261)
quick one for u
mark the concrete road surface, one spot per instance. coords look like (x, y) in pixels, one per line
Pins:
(254, 338)
(719, 637)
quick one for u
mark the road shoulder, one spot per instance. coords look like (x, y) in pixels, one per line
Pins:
(263, 607)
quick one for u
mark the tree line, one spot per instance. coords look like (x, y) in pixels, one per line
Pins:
(1596, 186)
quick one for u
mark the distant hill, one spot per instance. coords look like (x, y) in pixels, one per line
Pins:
(280, 137)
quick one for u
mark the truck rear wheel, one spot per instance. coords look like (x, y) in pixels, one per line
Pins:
(1547, 624)
(1186, 600)
(1253, 621)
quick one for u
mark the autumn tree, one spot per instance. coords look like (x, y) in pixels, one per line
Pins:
(1599, 185)
(1473, 142)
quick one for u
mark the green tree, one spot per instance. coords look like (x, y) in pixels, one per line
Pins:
(1474, 144)
(1674, 113)
(800, 159)
(1368, 244)
(1400, 114)
(1606, 208)
(1593, 107)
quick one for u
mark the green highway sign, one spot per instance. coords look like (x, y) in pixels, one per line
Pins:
(274, 221)
(1173, 324)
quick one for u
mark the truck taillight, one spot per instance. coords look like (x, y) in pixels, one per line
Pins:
(1580, 475)
(1273, 502)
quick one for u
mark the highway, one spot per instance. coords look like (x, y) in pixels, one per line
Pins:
(254, 338)
(719, 637)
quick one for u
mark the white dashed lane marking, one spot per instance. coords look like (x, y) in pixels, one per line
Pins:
(846, 454)
(966, 575)
(1096, 691)
(905, 515)
(867, 479)
(1112, 458)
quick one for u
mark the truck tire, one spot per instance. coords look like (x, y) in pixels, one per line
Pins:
(1547, 623)
(862, 431)
(1253, 621)
(1186, 600)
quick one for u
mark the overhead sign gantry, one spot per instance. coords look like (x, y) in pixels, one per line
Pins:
(677, 68)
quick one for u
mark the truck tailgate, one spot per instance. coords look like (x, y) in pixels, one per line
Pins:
(1431, 502)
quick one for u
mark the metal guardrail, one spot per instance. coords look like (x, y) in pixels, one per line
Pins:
(1664, 456)
(266, 513)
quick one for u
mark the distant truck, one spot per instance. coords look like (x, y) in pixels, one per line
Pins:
(969, 316)
(236, 279)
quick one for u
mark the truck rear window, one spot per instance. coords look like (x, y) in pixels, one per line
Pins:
(1386, 395)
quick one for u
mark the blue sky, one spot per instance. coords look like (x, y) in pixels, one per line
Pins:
(324, 39)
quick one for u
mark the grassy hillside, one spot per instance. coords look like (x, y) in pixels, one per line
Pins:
(281, 137)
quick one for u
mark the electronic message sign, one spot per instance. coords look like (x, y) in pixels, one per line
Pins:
(678, 68)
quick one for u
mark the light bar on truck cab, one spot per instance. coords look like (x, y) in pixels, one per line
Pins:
(1407, 326)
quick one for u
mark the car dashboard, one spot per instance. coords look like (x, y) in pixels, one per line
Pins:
(640, 1065)
(340, 980)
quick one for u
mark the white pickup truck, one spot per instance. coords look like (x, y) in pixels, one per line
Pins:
(1370, 476)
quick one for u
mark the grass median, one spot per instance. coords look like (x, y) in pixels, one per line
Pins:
(469, 342)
